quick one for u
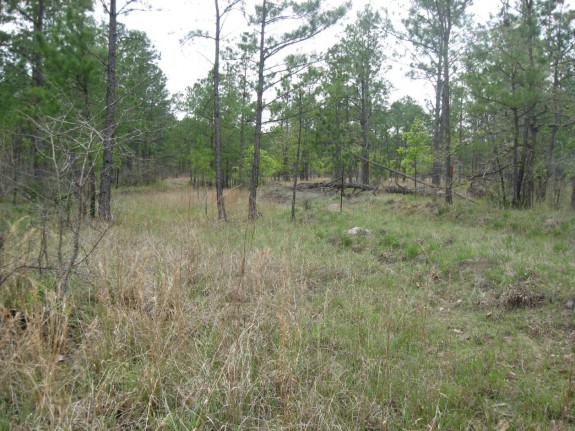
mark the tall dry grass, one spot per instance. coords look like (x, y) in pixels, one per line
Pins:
(177, 322)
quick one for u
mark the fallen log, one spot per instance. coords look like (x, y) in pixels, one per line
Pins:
(336, 185)
(398, 189)
(432, 186)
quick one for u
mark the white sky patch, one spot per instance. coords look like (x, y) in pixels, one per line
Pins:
(185, 64)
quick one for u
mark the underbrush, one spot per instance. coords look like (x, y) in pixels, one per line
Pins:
(438, 318)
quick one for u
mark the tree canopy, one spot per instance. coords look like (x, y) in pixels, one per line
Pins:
(502, 109)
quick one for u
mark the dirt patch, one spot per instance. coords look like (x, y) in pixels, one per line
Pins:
(390, 257)
(476, 264)
(318, 278)
(280, 195)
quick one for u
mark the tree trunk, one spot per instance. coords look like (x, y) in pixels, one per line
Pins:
(446, 111)
(526, 162)
(551, 167)
(523, 190)
(296, 164)
(415, 175)
(38, 81)
(92, 186)
(217, 125)
(364, 132)
(91, 180)
(242, 145)
(252, 209)
(16, 163)
(105, 212)
(338, 166)
(530, 124)
(305, 168)
(285, 174)
(243, 122)
(437, 127)
(517, 179)
(501, 178)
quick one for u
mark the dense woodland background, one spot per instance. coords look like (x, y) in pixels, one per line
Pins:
(501, 121)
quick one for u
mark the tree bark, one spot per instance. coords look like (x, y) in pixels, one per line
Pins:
(551, 167)
(525, 174)
(243, 130)
(16, 164)
(87, 114)
(252, 209)
(217, 125)
(364, 121)
(530, 120)
(437, 128)
(517, 179)
(38, 81)
(105, 212)
(446, 111)
(338, 166)
(296, 164)
(522, 196)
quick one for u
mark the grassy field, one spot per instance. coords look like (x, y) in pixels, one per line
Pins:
(442, 318)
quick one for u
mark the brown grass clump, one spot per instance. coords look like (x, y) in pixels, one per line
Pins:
(521, 298)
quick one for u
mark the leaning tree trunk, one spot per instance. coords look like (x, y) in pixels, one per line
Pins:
(105, 212)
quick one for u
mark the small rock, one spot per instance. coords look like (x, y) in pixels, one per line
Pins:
(503, 425)
(358, 231)
(570, 304)
(552, 222)
(333, 207)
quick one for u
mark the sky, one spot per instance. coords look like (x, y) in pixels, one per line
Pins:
(184, 64)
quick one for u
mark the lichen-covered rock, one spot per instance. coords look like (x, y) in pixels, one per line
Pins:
(359, 231)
